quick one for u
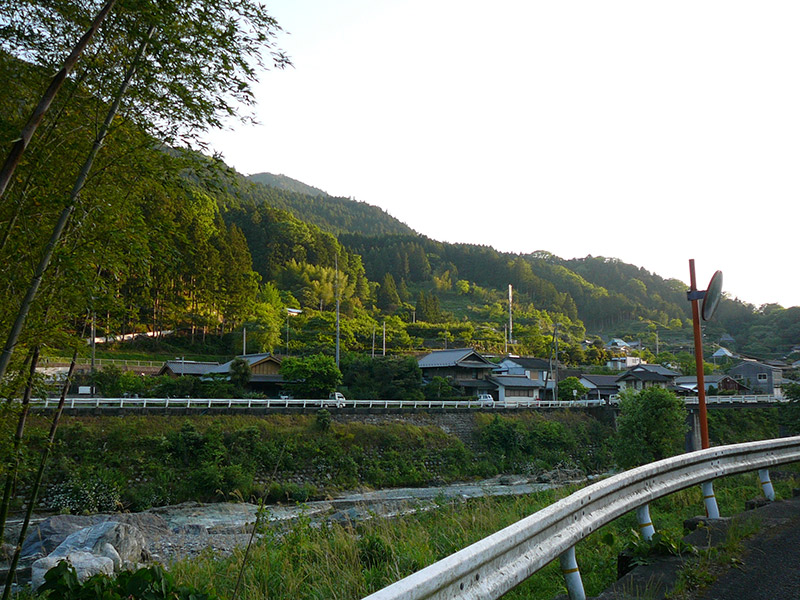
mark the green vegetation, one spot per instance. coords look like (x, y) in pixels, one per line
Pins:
(150, 583)
(312, 376)
(650, 426)
(352, 561)
(537, 442)
(155, 460)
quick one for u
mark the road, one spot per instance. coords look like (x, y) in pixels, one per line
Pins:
(771, 561)
(769, 567)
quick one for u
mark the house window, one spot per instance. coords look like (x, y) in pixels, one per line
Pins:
(762, 376)
(520, 393)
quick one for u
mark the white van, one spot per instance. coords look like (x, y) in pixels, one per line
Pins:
(336, 399)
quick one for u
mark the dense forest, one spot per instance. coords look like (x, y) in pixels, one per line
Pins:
(162, 238)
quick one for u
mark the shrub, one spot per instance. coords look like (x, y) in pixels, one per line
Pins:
(323, 421)
(149, 583)
(85, 491)
(650, 427)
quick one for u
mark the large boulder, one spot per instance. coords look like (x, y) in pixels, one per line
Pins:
(115, 546)
(86, 564)
(46, 536)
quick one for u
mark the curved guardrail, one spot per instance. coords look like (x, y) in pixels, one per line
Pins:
(491, 567)
(299, 404)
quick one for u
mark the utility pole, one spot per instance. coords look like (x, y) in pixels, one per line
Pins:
(373, 340)
(384, 338)
(555, 372)
(336, 265)
(510, 321)
(290, 312)
(93, 346)
(244, 341)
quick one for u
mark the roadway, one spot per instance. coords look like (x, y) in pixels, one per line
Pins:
(770, 566)
(766, 566)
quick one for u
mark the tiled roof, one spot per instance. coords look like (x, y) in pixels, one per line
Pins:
(451, 358)
(529, 362)
(517, 381)
(188, 367)
(601, 380)
(660, 369)
(692, 379)
(643, 376)
(250, 358)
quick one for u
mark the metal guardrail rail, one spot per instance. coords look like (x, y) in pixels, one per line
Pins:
(79, 402)
(749, 399)
(293, 403)
(491, 567)
(725, 399)
(100, 362)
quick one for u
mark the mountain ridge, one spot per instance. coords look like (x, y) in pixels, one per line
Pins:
(468, 282)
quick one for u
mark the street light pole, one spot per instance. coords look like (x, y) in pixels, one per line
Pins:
(290, 312)
(336, 265)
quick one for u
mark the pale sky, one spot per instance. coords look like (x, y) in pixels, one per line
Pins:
(653, 132)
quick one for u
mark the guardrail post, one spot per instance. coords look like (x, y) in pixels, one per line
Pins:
(646, 528)
(710, 500)
(572, 575)
(766, 484)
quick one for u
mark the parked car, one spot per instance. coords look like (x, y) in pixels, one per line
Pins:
(485, 399)
(336, 399)
(285, 396)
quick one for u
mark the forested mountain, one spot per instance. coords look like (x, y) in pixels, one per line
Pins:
(282, 182)
(329, 213)
(166, 239)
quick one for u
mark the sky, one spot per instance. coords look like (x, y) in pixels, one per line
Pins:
(652, 132)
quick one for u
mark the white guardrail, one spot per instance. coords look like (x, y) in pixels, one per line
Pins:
(726, 399)
(491, 567)
(79, 402)
(293, 403)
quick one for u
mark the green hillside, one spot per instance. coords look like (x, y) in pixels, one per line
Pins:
(173, 240)
(282, 182)
(329, 213)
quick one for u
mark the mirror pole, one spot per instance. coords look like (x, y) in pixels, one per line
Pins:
(698, 358)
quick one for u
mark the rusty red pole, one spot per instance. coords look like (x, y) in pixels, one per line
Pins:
(698, 357)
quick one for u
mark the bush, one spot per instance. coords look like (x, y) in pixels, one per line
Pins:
(150, 583)
(651, 426)
(85, 492)
(323, 420)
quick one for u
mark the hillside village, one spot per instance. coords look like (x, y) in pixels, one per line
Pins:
(502, 379)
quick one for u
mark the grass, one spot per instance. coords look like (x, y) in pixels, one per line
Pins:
(335, 561)
(702, 570)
